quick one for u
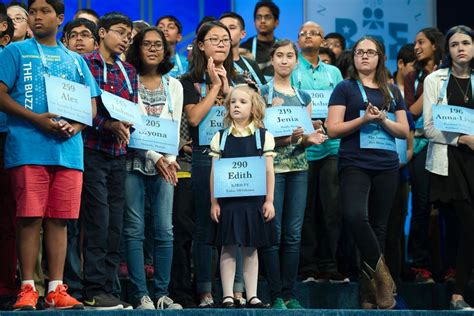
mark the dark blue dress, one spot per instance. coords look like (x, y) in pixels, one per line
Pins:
(241, 220)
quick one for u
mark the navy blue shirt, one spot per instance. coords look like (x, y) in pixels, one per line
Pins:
(348, 94)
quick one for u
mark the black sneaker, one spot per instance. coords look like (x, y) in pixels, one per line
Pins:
(103, 302)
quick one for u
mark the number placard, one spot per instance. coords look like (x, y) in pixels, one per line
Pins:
(320, 101)
(282, 120)
(245, 176)
(211, 124)
(122, 109)
(69, 99)
(157, 134)
(456, 119)
(373, 136)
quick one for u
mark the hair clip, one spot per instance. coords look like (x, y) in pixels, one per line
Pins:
(252, 85)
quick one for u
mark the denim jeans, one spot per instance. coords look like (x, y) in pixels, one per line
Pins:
(202, 250)
(281, 261)
(103, 199)
(138, 187)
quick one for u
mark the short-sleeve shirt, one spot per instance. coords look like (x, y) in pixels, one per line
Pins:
(180, 67)
(290, 157)
(3, 116)
(321, 77)
(23, 73)
(263, 57)
(254, 66)
(347, 94)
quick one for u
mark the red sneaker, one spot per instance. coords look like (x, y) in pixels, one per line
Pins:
(123, 271)
(60, 299)
(422, 275)
(149, 271)
(26, 299)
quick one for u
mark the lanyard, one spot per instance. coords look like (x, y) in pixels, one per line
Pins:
(254, 48)
(122, 69)
(166, 85)
(445, 87)
(179, 64)
(227, 132)
(271, 90)
(417, 81)
(45, 62)
(364, 95)
(326, 72)
(250, 69)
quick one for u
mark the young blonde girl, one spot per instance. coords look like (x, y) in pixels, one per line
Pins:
(243, 223)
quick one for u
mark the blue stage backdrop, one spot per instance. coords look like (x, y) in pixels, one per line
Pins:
(395, 22)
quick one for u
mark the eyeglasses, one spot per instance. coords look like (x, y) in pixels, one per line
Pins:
(369, 53)
(18, 19)
(83, 34)
(216, 41)
(148, 45)
(123, 35)
(310, 33)
(333, 44)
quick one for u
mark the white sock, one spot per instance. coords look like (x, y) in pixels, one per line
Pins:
(227, 265)
(30, 282)
(250, 258)
(52, 285)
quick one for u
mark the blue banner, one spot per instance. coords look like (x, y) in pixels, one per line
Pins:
(373, 136)
(245, 176)
(456, 119)
(69, 99)
(283, 120)
(122, 109)
(157, 134)
(211, 124)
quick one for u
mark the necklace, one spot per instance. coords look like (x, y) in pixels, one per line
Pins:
(466, 97)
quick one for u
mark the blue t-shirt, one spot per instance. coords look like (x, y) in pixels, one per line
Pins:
(23, 73)
(178, 71)
(3, 116)
(347, 93)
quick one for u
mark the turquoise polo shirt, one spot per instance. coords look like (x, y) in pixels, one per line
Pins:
(322, 77)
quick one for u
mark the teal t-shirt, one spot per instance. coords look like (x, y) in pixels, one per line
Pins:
(3, 116)
(322, 77)
(180, 66)
(23, 73)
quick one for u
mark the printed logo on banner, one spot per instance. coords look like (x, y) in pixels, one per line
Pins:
(393, 22)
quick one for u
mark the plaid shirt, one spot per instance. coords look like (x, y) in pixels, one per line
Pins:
(96, 137)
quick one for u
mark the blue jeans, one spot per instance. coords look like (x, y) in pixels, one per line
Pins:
(160, 193)
(281, 261)
(202, 250)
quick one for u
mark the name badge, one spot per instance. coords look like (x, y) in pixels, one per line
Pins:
(282, 120)
(211, 124)
(156, 134)
(121, 109)
(456, 119)
(320, 101)
(69, 99)
(373, 136)
(402, 150)
(234, 177)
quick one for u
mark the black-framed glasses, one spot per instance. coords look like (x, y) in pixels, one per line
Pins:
(83, 34)
(215, 41)
(148, 45)
(369, 53)
(310, 33)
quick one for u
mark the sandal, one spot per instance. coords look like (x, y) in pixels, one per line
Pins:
(229, 303)
(260, 304)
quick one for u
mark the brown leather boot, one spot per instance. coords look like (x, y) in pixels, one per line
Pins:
(367, 291)
(384, 285)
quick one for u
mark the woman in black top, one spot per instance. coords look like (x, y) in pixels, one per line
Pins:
(362, 109)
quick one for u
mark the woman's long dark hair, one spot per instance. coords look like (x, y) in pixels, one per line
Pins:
(462, 29)
(133, 53)
(198, 64)
(436, 38)
(381, 78)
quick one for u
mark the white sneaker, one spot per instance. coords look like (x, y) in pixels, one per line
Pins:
(165, 302)
(146, 303)
(206, 302)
